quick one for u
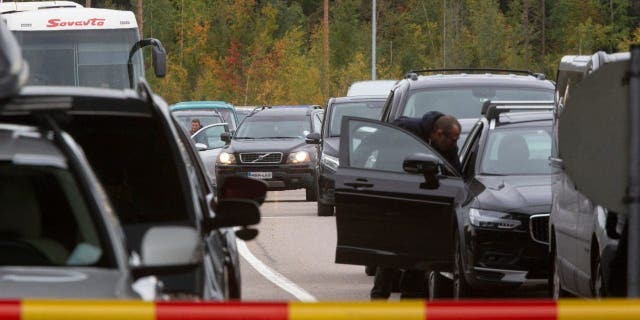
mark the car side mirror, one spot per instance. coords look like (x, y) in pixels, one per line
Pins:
(167, 249)
(313, 138)
(235, 187)
(425, 164)
(226, 137)
(201, 146)
(159, 58)
(237, 213)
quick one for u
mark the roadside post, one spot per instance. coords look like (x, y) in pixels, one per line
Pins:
(633, 197)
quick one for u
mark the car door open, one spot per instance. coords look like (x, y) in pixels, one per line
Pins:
(395, 198)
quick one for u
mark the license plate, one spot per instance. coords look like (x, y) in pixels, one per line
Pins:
(261, 175)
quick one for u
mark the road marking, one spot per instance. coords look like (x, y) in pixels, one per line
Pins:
(274, 276)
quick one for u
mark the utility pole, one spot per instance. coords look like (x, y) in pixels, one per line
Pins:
(444, 34)
(87, 3)
(139, 17)
(373, 40)
(326, 47)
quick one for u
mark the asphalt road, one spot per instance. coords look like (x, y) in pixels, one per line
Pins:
(292, 258)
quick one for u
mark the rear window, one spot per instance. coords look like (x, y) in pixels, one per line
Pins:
(466, 102)
(517, 151)
(270, 127)
(369, 110)
(45, 221)
(185, 119)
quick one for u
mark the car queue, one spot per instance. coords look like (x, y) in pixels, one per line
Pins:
(66, 148)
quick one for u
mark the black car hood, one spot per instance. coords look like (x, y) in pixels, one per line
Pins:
(267, 145)
(331, 146)
(523, 194)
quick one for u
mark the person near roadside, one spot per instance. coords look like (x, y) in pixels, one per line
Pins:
(441, 132)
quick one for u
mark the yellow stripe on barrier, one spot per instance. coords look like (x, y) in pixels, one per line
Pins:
(610, 309)
(413, 310)
(87, 310)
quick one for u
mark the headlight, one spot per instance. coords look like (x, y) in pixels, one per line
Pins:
(299, 157)
(492, 219)
(226, 158)
(330, 162)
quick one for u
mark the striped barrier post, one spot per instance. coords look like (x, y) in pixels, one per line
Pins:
(613, 309)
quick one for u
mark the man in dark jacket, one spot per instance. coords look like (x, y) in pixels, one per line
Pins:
(442, 133)
(439, 131)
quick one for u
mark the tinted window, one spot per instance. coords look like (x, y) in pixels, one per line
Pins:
(517, 151)
(375, 146)
(369, 110)
(44, 220)
(466, 102)
(264, 127)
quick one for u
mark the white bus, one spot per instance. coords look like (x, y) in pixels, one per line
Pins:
(68, 45)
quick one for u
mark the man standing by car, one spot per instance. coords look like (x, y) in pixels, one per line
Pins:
(441, 132)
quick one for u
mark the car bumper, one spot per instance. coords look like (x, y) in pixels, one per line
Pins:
(283, 177)
(504, 258)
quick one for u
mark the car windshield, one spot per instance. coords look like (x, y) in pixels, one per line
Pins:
(268, 127)
(466, 102)
(517, 151)
(45, 221)
(185, 119)
(87, 58)
(368, 109)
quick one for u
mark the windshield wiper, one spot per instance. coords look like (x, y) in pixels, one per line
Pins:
(282, 138)
(242, 138)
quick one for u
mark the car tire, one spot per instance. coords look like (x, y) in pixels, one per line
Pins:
(555, 285)
(311, 194)
(439, 286)
(326, 210)
(461, 289)
(370, 270)
(597, 280)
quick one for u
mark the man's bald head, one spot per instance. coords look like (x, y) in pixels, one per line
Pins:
(445, 134)
(447, 124)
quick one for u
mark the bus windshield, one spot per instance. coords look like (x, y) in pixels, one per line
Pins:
(86, 58)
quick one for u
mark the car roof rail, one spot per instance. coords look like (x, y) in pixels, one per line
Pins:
(493, 109)
(413, 74)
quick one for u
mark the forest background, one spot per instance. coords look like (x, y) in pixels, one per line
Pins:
(269, 52)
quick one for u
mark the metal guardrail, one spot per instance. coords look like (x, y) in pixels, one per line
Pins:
(613, 309)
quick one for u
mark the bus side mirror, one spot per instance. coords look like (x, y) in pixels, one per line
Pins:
(159, 57)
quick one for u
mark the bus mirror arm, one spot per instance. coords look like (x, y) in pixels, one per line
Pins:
(159, 57)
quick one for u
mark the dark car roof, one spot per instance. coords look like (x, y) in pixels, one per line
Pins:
(280, 111)
(358, 99)
(25, 145)
(463, 80)
(76, 99)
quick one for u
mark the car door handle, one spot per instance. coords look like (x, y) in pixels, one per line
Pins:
(358, 185)
(556, 162)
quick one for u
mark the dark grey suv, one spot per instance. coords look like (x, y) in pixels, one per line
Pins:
(462, 93)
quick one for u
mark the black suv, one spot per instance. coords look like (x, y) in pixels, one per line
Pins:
(329, 141)
(270, 145)
(462, 92)
(502, 236)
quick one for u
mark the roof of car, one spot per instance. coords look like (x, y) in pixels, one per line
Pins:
(25, 145)
(358, 99)
(186, 105)
(280, 111)
(465, 80)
